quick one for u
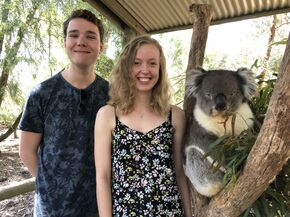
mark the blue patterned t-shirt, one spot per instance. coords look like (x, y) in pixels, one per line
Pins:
(65, 116)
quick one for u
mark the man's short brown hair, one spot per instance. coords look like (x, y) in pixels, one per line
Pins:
(87, 15)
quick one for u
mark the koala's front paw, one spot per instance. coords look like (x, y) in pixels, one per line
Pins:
(201, 174)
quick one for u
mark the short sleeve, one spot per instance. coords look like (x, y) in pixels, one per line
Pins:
(32, 119)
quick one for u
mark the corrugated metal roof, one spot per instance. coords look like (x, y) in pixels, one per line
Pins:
(153, 16)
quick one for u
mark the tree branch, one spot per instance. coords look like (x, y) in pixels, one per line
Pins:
(11, 129)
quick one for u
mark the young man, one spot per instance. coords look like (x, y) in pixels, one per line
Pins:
(56, 142)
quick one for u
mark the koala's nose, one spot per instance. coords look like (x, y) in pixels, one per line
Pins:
(220, 102)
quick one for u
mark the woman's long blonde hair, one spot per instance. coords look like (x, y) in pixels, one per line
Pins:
(122, 84)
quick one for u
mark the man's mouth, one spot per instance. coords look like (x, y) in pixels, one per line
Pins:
(81, 51)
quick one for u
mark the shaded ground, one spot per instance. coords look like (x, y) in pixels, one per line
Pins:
(12, 170)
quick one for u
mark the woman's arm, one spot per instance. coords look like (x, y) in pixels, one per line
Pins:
(178, 120)
(105, 123)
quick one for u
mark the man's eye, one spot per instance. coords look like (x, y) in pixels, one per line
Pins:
(72, 36)
(92, 37)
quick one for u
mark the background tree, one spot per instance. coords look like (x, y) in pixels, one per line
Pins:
(31, 49)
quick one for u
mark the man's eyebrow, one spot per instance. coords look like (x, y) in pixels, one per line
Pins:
(91, 32)
(73, 31)
(87, 32)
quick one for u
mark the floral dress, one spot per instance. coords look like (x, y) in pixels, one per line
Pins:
(143, 175)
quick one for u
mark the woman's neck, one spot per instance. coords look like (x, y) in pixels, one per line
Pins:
(143, 102)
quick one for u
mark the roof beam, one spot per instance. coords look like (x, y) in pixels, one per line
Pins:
(100, 7)
(117, 14)
(228, 20)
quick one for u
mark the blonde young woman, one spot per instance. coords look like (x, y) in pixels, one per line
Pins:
(138, 139)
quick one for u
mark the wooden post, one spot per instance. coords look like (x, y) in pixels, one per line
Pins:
(202, 15)
(128, 35)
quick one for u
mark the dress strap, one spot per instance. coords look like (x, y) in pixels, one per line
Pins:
(170, 116)
(116, 118)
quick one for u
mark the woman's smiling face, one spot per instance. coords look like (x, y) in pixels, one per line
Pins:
(146, 67)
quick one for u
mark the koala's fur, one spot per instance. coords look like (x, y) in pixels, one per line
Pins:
(219, 94)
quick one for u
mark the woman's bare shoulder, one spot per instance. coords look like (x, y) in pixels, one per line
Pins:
(107, 110)
(106, 116)
(178, 115)
(177, 111)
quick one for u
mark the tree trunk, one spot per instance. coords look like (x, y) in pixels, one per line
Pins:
(10, 61)
(4, 18)
(273, 28)
(11, 129)
(16, 189)
(202, 15)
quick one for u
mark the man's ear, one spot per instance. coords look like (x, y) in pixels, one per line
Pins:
(101, 47)
(64, 42)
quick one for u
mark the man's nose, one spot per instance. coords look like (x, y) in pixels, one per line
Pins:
(81, 41)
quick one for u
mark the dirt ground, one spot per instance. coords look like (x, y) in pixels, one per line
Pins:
(12, 170)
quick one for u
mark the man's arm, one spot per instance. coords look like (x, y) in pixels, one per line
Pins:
(28, 148)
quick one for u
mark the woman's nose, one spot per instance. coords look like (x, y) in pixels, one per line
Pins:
(144, 68)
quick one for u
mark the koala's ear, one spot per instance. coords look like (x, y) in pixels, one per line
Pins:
(192, 85)
(248, 82)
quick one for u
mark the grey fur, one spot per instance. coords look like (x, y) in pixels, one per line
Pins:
(219, 94)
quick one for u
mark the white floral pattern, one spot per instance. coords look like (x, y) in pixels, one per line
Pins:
(144, 180)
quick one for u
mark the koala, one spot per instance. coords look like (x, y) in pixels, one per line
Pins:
(221, 96)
